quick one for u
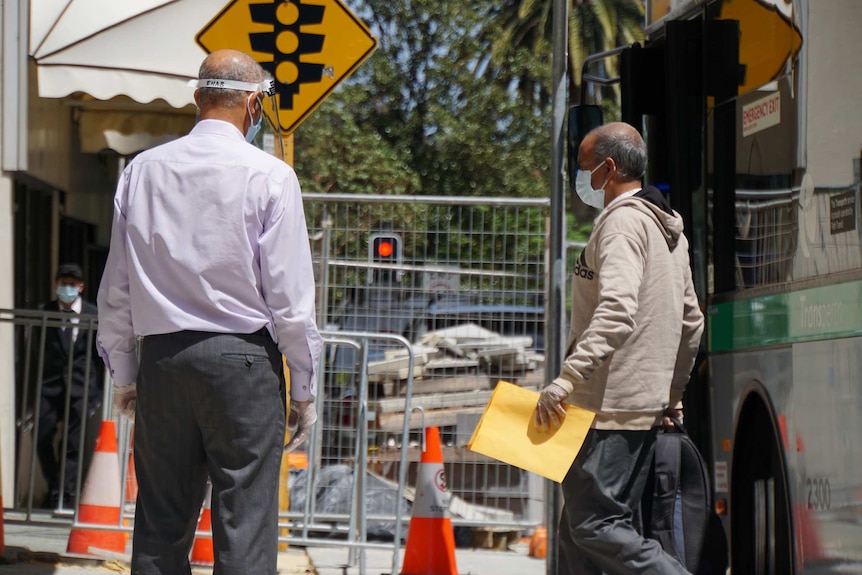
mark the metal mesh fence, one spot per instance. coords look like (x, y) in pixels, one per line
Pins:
(462, 279)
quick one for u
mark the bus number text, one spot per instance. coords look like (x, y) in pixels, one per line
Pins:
(819, 493)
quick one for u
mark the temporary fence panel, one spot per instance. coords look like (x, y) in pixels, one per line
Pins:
(461, 279)
(346, 499)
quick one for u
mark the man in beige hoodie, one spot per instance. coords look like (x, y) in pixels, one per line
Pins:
(635, 330)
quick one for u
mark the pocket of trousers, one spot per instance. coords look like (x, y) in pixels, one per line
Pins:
(248, 359)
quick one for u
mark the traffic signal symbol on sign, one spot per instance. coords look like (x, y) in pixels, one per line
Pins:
(309, 47)
(287, 43)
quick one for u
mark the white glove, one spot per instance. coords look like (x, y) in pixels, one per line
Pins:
(125, 400)
(300, 420)
(549, 409)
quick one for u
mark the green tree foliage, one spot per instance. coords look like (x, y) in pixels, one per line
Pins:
(335, 154)
(456, 100)
(594, 26)
(419, 117)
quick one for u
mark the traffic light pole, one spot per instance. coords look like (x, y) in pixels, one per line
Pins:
(554, 336)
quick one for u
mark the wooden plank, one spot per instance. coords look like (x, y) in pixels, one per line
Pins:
(450, 346)
(500, 342)
(385, 456)
(502, 354)
(437, 418)
(436, 401)
(473, 512)
(399, 375)
(421, 353)
(460, 332)
(440, 384)
(450, 363)
(393, 365)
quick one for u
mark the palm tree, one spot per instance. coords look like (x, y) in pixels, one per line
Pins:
(598, 25)
(525, 27)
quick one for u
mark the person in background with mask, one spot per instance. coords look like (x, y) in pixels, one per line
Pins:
(635, 330)
(210, 267)
(67, 346)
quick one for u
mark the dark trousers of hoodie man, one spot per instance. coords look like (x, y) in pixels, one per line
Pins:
(602, 492)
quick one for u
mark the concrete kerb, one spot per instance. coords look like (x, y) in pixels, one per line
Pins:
(40, 549)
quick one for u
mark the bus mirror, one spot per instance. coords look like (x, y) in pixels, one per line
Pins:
(582, 119)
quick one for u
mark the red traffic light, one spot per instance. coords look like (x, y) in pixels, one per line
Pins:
(384, 248)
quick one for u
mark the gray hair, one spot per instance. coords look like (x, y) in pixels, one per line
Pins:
(240, 67)
(625, 147)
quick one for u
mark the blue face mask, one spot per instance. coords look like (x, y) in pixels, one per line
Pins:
(67, 294)
(254, 128)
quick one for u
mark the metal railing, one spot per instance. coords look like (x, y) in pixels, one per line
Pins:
(40, 374)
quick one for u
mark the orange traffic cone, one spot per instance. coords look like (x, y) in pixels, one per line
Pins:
(101, 499)
(202, 550)
(430, 548)
(539, 543)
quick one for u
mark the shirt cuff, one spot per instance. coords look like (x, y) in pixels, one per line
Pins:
(302, 386)
(124, 369)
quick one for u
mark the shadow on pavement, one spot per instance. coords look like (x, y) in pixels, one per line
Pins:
(21, 561)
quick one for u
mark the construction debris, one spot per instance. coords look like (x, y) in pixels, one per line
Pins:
(454, 372)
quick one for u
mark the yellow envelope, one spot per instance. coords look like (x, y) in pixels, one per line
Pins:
(508, 432)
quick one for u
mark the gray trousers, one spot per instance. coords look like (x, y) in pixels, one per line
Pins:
(208, 405)
(599, 526)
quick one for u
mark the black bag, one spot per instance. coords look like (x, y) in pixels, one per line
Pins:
(677, 507)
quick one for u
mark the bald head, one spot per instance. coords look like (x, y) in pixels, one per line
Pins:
(623, 144)
(227, 65)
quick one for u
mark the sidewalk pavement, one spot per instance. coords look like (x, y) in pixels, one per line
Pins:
(39, 548)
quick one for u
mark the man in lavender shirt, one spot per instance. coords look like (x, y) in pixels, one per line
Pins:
(210, 270)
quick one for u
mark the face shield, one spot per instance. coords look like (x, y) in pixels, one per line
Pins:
(267, 90)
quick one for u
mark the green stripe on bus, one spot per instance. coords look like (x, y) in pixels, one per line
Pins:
(806, 315)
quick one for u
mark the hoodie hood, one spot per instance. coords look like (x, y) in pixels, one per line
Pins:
(653, 203)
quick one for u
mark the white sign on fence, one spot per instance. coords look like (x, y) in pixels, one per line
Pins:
(442, 281)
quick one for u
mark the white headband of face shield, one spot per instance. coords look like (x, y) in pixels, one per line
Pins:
(267, 86)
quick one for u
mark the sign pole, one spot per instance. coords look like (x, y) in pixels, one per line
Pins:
(284, 473)
(287, 149)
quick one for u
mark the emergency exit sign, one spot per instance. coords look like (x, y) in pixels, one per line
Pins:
(761, 114)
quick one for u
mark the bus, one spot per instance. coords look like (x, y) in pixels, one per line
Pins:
(750, 110)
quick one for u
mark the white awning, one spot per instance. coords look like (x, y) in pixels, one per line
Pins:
(143, 49)
(128, 130)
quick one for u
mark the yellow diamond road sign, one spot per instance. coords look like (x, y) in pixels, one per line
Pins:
(309, 47)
